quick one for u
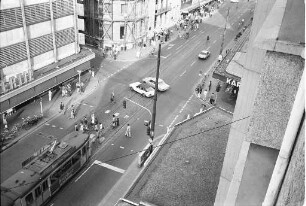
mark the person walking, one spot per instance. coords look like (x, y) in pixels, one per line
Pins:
(209, 86)
(50, 95)
(5, 122)
(61, 107)
(76, 127)
(72, 114)
(212, 99)
(128, 131)
(205, 95)
(112, 96)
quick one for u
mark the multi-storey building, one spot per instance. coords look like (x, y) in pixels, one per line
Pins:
(37, 36)
(264, 162)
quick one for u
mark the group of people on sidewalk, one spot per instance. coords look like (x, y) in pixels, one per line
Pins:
(213, 96)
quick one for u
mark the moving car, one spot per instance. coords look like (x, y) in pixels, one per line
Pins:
(142, 88)
(162, 86)
(204, 54)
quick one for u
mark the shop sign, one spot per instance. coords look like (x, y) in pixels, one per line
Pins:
(232, 82)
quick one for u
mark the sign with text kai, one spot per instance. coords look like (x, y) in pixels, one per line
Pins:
(233, 82)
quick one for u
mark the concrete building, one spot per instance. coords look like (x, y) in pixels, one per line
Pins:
(39, 47)
(264, 161)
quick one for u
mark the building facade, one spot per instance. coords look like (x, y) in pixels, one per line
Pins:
(264, 162)
(36, 35)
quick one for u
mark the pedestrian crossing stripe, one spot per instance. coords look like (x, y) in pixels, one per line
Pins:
(107, 111)
(126, 116)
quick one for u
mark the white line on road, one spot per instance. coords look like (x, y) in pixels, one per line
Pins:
(173, 121)
(178, 47)
(193, 36)
(177, 51)
(208, 48)
(61, 128)
(192, 63)
(161, 125)
(132, 150)
(107, 111)
(84, 172)
(111, 167)
(47, 124)
(121, 147)
(112, 144)
(183, 73)
(214, 41)
(53, 126)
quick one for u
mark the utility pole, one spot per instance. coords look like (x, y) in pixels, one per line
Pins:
(155, 94)
(223, 36)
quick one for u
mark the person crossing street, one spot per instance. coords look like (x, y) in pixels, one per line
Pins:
(128, 131)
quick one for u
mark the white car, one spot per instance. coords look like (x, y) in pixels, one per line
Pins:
(204, 54)
(142, 88)
(162, 86)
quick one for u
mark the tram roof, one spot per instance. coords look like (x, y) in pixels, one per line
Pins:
(26, 178)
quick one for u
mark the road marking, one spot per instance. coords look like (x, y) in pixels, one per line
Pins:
(108, 166)
(171, 45)
(126, 116)
(161, 125)
(112, 144)
(52, 204)
(121, 147)
(107, 111)
(193, 36)
(201, 32)
(173, 121)
(61, 128)
(214, 41)
(192, 63)
(177, 52)
(178, 47)
(166, 56)
(47, 124)
(53, 126)
(84, 172)
(208, 48)
(132, 150)
(183, 73)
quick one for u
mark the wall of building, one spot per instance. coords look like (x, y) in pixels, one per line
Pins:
(244, 105)
(293, 188)
(276, 92)
(37, 33)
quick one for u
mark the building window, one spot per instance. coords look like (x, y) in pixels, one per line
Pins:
(123, 9)
(121, 32)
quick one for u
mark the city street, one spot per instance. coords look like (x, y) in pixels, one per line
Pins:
(180, 68)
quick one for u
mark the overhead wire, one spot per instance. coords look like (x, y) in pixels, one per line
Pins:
(166, 143)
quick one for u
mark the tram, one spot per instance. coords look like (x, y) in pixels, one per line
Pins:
(44, 173)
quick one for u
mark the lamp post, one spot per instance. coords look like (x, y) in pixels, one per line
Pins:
(41, 107)
(223, 36)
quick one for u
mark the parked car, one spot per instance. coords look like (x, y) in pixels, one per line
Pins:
(142, 88)
(162, 86)
(204, 54)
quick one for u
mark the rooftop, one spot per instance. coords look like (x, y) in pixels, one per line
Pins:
(186, 170)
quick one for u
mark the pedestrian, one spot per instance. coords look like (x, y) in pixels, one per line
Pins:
(96, 127)
(81, 128)
(209, 86)
(50, 95)
(101, 126)
(5, 123)
(72, 114)
(114, 121)
(76, 127)
(85, 122)
(128, 131)
(112, 96)
(61, 107)
(212, 99)
(205, 94)
(93, 119)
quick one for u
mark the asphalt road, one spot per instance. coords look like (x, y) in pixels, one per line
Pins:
(179, 68)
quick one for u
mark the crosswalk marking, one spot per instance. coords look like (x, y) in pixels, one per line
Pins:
(108, 166)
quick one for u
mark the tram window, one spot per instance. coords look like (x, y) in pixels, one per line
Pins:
(84, 149)
(37, 192)
(45, 185)
(76, 157)
(29, 199)
(66, 166)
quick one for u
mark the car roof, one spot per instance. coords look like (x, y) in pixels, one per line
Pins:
(144, 85)
(204, 51)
